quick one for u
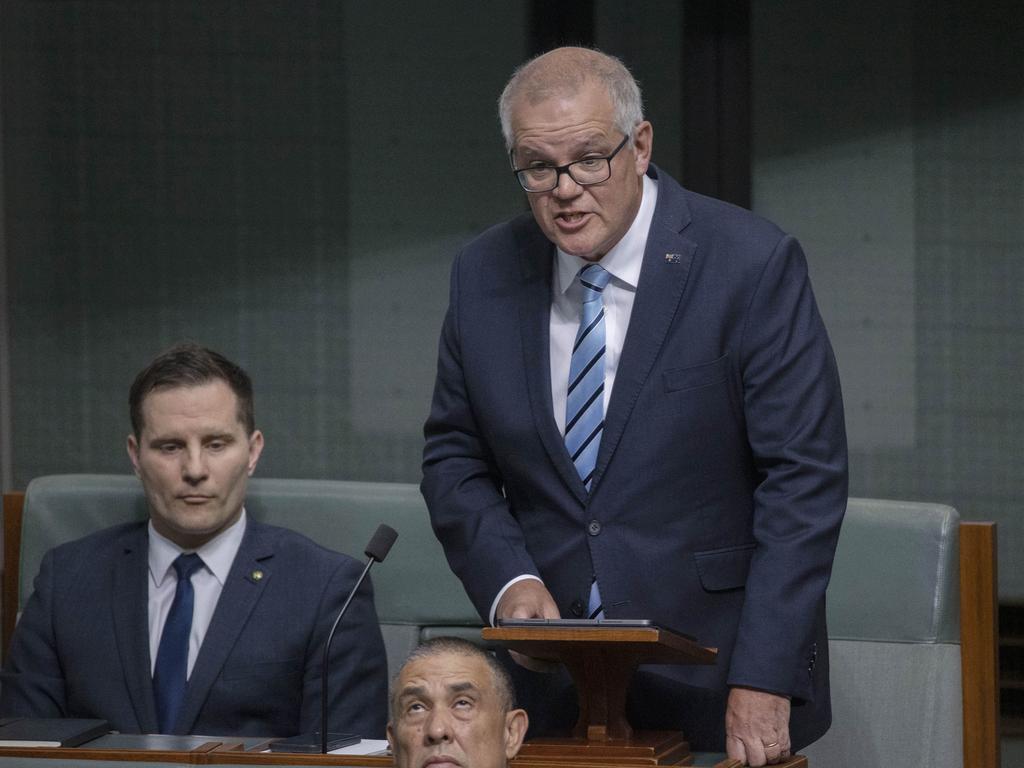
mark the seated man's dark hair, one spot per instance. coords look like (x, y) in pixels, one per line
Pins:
(190, 365)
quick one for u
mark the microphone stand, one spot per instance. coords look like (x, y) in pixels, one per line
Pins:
(378, 548)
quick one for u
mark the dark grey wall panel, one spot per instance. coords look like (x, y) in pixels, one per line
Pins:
(889, 136)
(262, 177)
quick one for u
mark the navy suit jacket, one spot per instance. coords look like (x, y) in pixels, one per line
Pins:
(721, 479)
(81, 648)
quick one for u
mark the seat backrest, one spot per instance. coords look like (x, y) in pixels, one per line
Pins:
(894, 638)
(417, 595)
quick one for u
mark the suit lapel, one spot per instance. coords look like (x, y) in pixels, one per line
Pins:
(131, 625)
(663, 276)
(238, 598)
(536, 256)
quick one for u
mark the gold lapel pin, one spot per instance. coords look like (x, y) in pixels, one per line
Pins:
(257, 575)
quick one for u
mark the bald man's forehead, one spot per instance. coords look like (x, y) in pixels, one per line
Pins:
(449, 669)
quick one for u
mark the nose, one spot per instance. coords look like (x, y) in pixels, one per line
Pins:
(193, 466)
(566, 186)
(439, 727)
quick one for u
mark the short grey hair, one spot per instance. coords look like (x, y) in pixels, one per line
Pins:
(565, 71)
(439, 646)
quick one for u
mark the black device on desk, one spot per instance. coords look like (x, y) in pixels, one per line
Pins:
(50, 731)
(303, 744)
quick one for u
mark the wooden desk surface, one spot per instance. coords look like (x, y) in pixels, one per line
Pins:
(79, 758)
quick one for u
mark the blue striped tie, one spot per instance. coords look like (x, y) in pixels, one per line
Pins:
(584, 404)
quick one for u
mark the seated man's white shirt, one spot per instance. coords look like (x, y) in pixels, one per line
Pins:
(217, 554)
(623, 261)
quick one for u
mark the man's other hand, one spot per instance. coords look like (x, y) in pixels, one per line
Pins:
(757, 727)
(528, 599)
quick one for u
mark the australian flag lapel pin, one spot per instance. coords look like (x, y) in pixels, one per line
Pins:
(672, 258)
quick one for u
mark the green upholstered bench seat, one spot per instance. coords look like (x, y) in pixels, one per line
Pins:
(894, 638)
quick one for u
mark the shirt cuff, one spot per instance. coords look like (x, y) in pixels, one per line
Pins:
(494, 605)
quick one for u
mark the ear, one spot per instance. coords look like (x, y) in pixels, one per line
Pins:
(255, 449)
(516, 722)
(643, 145)
(133, 452)
(391, 738)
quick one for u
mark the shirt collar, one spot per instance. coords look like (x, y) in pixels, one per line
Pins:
(626, 257)
(218, 553)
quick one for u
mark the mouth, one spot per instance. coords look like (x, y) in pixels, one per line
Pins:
(571, 221)
(195, 498)
(441, 761)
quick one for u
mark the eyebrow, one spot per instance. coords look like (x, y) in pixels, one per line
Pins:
(156, 440)
(417, 691)
(420, 691)
(578, 148)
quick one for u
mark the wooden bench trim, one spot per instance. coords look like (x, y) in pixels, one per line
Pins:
(14, 504)
(979, 644)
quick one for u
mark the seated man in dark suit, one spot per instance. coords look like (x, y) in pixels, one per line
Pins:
(452, 704)
(203, 620)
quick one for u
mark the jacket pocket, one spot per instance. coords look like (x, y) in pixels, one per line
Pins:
(694, 376)
(723, 569)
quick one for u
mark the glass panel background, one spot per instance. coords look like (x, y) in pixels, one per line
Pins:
(889, 136)
(288, 183)
(262, 177)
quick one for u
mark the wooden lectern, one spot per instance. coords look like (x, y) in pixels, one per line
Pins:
(602, 660)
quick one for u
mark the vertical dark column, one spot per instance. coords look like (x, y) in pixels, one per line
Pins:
(6, 464)
(716, 98)
(562, 23)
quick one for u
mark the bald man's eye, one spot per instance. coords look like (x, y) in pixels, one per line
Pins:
(415, 708)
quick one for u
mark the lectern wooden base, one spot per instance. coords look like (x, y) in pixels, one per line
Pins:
(602, 660)
(650, 748)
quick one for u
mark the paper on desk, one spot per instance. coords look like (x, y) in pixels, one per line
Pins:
(363, 747)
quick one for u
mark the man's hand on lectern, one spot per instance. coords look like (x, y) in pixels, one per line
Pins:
(757, 727)
(528, 599)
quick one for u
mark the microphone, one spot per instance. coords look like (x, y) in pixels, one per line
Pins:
(380, 544)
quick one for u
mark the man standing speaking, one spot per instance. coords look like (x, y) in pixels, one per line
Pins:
(637, 414)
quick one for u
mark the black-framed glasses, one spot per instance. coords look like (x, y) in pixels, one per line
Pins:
(589, 170)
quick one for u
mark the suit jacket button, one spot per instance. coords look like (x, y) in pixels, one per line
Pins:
(576, 608)
(594, 528)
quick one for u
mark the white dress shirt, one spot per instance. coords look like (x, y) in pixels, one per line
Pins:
(207, 582)
(623, 261)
